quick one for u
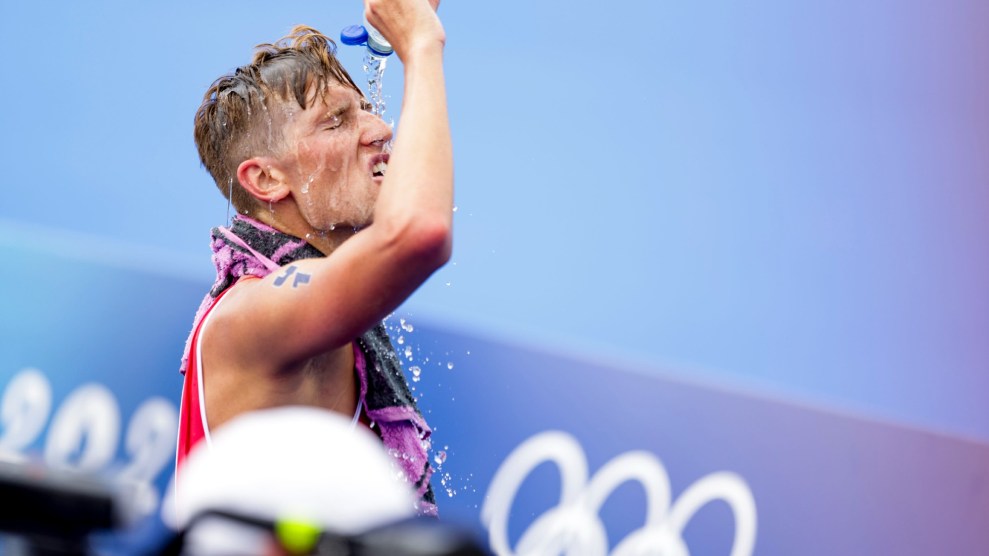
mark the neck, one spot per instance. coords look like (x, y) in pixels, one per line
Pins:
(289, 221)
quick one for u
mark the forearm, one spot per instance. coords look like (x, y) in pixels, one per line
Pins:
(418, 188)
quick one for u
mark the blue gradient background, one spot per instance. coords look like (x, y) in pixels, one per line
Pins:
(789, 199)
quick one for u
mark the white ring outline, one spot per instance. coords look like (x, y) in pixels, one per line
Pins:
(574, 528)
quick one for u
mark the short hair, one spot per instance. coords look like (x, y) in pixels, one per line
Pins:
(235, 122)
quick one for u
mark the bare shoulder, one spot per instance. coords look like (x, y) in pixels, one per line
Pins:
(228, 335)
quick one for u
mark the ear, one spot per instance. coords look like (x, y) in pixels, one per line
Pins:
(263, 178)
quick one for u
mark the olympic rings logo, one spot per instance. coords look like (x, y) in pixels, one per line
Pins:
(573, 526)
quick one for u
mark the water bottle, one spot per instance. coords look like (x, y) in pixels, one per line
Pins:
(376, 41)
(375, 60)
(366, 34)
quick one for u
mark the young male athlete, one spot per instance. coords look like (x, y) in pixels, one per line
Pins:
(332, 233)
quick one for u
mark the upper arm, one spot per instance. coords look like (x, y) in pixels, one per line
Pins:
(311, 306)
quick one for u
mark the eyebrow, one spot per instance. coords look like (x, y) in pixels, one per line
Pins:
(340, 109)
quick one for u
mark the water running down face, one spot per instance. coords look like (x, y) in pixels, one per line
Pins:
(334, 159)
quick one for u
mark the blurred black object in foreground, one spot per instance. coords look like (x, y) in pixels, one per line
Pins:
(56, 513)
(419, 536)
(52, 512)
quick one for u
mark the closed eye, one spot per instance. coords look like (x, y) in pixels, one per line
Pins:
(333, 121)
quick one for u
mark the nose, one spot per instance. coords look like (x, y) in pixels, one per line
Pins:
(374, 129)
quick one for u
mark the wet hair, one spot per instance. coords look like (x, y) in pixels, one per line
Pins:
(235, 120)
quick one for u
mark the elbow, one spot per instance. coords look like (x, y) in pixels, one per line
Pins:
(426, 244)
(433, 243)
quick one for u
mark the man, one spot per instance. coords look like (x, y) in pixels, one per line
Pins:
(332, 234)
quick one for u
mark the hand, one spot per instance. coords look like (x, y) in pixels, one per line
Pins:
(406, 24)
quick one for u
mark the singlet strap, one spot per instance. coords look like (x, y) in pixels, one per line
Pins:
(360, 365)
(357, 414)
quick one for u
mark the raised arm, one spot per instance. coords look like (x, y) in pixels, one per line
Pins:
(420, 172)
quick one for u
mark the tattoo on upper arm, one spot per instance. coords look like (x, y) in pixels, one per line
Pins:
(300, 279)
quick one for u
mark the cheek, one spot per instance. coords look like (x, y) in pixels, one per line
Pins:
(318, 165)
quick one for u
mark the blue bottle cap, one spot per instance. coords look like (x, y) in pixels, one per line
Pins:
(353, 35)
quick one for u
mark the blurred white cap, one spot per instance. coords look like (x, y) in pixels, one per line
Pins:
(293, 462)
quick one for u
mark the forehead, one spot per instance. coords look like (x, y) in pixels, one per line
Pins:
(332, 96)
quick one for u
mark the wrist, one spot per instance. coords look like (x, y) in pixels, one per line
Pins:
(423, 48)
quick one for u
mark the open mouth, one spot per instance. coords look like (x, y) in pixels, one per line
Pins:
(379, 166)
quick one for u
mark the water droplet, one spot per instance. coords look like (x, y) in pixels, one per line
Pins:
(468, 352)
(449, 365)
(408, 352)
(416, 372)
(440, 457)
(448, 284)
(401, 340)
(454, 208)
